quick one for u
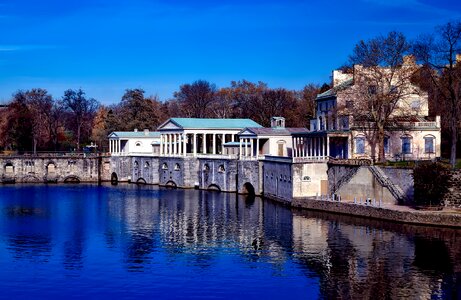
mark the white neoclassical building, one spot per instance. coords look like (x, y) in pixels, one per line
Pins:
(199, 136)
(258, 142)
(131, 143)
(410, 133)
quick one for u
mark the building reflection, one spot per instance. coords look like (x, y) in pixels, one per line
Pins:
(358, 258)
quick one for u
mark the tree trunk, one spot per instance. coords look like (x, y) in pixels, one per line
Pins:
(381, 155)
(454, 141)
(79, 126)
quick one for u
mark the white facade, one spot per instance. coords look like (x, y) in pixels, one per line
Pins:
(199, 137)
(131, 143)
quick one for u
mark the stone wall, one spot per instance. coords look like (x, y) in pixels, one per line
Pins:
(218, 174)
(51, 169)
(180, 172)
(453, 197)
(310, 179)
(248, 173)
(364, 185)
(412, 216)
(339, 175)
(145, 169)
(403, 177)
(277, 180)
(121, 167)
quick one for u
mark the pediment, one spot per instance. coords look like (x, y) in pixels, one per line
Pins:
(246, 131)
(169, 125)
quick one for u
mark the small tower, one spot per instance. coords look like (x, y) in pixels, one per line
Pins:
(278, 122)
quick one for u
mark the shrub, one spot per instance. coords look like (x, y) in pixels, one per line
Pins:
(430, 182)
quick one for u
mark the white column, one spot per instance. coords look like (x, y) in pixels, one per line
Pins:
(257, 148)
(328, 146)
(251, 147)
(214, 143)
(170, 144)
(293, 141)
(204, 143)
(246, 146)
(184, 144)
(240, 147)
(175, 143)
(195, 143)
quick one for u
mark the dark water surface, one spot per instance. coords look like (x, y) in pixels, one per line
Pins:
(95, 242)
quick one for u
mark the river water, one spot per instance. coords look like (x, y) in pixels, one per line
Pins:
(75, 241)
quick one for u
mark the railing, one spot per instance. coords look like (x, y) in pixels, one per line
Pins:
(52, 154)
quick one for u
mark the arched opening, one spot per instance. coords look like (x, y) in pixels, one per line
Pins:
(171, 184)
(248, 188)
(164, 166)
(9, 169)
(31, 179)
(51, 169)
(141, 181)
(221, 169)
(71, 179)
(114, 178)
(214, 187)
(177, 167)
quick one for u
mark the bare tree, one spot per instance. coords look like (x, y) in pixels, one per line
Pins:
(441, 54)
(196, 98)
(81, 111)
(382, 87)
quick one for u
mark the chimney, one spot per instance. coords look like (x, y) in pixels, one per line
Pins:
(278, 122)
(146, 132)
(136, 130)
(409, 60)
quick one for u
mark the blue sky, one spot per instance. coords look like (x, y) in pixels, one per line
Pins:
(105, 47)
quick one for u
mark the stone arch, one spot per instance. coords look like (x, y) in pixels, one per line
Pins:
(72, 179)
(114, 178)
(141, 181)
(9, 169)
(31, 178)
(248, 188)
(171, 183)
(214, 187)
(51, 168)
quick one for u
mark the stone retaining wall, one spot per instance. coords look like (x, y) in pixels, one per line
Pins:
(453, 197)
(414, 217)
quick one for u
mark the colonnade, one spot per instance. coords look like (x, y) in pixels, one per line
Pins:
(246, 147)
(115, 146)
(311, 147)
(176, 144)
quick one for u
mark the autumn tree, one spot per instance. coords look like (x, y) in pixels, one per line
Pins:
(382, 83)
(139, 112)
(196, 99)
(441, 55)
(17, 126)
(80, 113)
(303, 110)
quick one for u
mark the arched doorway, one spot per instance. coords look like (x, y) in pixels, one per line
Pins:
(114, 178)
(249, 189)
(214, 187)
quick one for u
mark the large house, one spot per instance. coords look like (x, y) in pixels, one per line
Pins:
(344, 127)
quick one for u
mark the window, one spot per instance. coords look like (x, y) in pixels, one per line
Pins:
(415, 105)
(136, 164)
(429, 144)
(164, 166)
(221, 169)
(206, 167)
(138, 144)
(360, 145)
(393, 89)
(146, 164)
(349, 104)
(177, 167)
(386, 145)
(306, 178)
(406, 144)
(372, 89)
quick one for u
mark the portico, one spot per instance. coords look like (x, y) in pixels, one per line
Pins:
(199, 137)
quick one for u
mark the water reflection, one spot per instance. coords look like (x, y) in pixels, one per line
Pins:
(200, 239)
